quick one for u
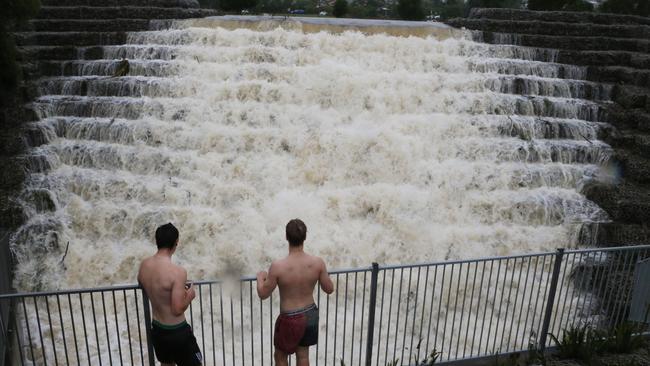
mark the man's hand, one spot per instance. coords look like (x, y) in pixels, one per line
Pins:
(262, 276)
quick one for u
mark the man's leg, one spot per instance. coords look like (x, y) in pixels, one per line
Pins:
(280, 358)
(302, 356)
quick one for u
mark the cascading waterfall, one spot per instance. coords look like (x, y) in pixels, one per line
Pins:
(391, 149)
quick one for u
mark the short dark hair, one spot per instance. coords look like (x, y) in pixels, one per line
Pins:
(166, 236)
(296, 232)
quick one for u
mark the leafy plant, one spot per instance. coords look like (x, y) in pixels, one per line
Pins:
(393, 362)
(340, 8)
(431, 359)
(624, 338)
(578, 342)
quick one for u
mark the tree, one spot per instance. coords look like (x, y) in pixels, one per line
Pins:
(635, 7)
(340, 8)
(546, 4)
(410, 9)
(236, 5)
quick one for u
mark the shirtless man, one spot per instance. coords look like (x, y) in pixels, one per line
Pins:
(297, 325)
(165, 285)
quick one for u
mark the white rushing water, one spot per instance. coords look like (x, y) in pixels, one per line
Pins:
(391, 149)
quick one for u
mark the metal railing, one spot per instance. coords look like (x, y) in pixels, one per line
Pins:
(376, 316)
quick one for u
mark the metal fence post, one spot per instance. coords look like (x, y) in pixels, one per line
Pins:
(371, 312)
(147, 325)
(551, 298)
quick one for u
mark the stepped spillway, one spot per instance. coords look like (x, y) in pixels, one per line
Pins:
(394, 149)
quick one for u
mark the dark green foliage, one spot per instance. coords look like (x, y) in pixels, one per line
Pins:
(448, 9)
(578, 342)
(410, 9)
(340, 8)
(431, 359)
(546, 4)
(624, 338)
(236, 5)
(516, 4)
(273, 6)
(13, 12)
(578, 5)
(634, 7)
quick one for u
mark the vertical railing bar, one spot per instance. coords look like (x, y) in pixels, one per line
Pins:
(214, 344)
(433, 296)
(478, 308)
(232, 330)
(241, 322)
(327, 327)
(453, 317)
(615, 293)
(574, 285)
(424, 305)
(363, 301)
(29, 333)
(530, 300)
(128, 328)
(148, 327)
(92, 306)
(381, 317)
(444, 328)
(191, 308)
(568, 284)
(607, 273)
(399, 305)
(505, 321)
(74, 331)
(496, 293)
(83, 319)
(523, 302)
(65, 346)
(462, 310)
(621, 292)
(345, 315)
(594, 277)
(354, 316)
(469, 316)
(223, 325)
(580, 290)
(49, 320)
(406, 316)
(559, 295)
(415, 308)
(271, 330)
(503, 291)
(108, 340)
(551, 297)
(318, 305)
(390, 310)
(442, 291)
(629, 289)
(40, 331)
(540, 319)
(514, 305)
(262, 335)
(336, 316)
(117, 328)
(202, 322)
(137, 316)
(487, 295)
(13, 305)
(250, 302)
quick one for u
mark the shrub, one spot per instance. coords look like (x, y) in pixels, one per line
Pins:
(236, 5)
(410, 9)
(624, 338)
(340, 8)
(635, 7)
(578, 342)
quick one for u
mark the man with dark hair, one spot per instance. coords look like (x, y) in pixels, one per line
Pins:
(165, 285)
(297, 325)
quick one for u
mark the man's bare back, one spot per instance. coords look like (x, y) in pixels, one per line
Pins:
(296, 328)
(164, 283)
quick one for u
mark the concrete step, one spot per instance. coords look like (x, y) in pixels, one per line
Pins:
(557, 16)
(613, 234)
(631, 97)
(616, 74)
(627, 202)
(103, 3)
(569, 42)
(29, 53)
(633, 119)
(86, 25)
(96, 68)
(123, 12)
(553, 28)
(634, 60)
(69, 38)
(638, 143)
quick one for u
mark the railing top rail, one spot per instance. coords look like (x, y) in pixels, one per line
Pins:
(337, 271)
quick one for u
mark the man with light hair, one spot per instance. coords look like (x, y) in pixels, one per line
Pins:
(296, 328)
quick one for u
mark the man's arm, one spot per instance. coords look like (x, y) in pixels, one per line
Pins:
(266, 282)
(181, 297)
(325, 281)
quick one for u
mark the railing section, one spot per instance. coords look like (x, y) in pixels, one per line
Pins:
(379, 315)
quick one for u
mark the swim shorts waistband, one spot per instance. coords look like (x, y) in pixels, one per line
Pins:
(299, 311)
(168, 326)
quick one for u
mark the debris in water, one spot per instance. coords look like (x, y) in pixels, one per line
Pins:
(122, 68)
